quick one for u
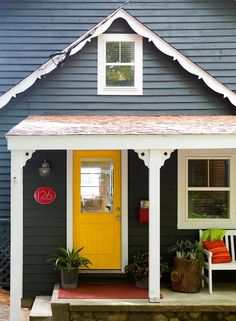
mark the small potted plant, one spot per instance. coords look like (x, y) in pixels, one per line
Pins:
(139, 269)
(68, 262)
(186, 272)
(185, 249)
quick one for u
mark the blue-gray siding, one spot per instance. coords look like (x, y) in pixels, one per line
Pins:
(168, 89)
(30, 31)
(44, 225)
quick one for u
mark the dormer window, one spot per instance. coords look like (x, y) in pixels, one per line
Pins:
(120, 62)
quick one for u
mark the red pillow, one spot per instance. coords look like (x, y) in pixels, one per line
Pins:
(220, 253)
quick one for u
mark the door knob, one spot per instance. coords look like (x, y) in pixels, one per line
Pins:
(117, 209)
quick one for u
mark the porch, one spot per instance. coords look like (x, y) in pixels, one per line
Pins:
(157, 137)
(174, 306)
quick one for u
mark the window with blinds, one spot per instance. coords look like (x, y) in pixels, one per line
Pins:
(120, 64)
(206, 189)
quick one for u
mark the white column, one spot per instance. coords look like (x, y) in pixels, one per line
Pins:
(155, 163)
(18, 160)
(154, 159)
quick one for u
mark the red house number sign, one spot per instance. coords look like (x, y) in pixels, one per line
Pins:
(45, 195)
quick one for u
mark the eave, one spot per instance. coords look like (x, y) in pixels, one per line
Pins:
(123, 132)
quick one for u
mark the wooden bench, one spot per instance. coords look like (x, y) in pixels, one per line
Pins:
(230, 241)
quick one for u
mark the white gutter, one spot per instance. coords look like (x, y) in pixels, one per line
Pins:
(140, 29)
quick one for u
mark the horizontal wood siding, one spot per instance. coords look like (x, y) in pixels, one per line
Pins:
(30, 31)
(72, 90)
(44, 225)
(168, 89)
(138, 190)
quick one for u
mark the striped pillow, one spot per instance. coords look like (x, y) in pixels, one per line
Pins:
(220, 253)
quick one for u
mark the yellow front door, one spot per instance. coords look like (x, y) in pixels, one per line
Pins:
(97, 215)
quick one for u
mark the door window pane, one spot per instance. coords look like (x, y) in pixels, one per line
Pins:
(208, 204)
(96, 185)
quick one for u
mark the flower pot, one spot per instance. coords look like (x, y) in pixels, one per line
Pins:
(69, 278)
(142, 284)
(185, 276)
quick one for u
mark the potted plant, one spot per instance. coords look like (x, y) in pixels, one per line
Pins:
(186, 272)
(139, 269)
(68, 262)
(186, 249)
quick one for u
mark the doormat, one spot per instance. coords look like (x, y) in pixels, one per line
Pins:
(104, 291)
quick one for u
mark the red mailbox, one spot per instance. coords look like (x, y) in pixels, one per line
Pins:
(143, 215)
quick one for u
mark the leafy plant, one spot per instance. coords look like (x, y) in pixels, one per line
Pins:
(186, 249)
(69, 259)
(139, 268)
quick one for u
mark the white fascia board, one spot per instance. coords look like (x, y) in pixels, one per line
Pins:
(122, 142)
(140, 29)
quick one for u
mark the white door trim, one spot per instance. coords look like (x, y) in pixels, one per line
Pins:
(69, 199)
(124, 205)
(124, 209)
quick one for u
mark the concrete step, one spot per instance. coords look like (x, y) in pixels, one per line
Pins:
(41, 310)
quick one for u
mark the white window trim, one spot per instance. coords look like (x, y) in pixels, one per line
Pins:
(101, 77)
(183, 221)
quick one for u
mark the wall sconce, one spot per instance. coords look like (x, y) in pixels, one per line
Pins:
(44, 170)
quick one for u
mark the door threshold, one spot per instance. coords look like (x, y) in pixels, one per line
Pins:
(99, 271)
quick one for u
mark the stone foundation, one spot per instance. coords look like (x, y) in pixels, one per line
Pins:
(144, 316)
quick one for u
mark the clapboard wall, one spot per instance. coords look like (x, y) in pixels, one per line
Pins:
(44, 225)
(31, 30)
(72, 90)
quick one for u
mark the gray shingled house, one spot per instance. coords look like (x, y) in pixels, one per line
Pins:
(141, 94)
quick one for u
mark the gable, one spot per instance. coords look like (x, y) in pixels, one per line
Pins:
(141, 30)
(168, 88)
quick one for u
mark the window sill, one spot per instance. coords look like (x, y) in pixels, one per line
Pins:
(196, 224)
(120, 91)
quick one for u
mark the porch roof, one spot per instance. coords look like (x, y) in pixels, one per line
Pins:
(123, 125)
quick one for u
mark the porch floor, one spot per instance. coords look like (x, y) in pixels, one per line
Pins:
(222, 299)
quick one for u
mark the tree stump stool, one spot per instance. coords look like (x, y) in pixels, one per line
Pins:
(185, 276)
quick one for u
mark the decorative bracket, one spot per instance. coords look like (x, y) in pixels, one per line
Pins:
(165, 154)
(145, 155)
(19, 159)
(26, 155)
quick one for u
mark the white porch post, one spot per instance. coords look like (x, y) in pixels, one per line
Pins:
(154, 225)
(156, 160)
(18, 160)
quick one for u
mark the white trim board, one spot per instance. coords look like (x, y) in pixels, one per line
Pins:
(122, 142)
(140, 29)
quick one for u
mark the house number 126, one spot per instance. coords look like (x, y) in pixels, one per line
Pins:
(44, 195)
